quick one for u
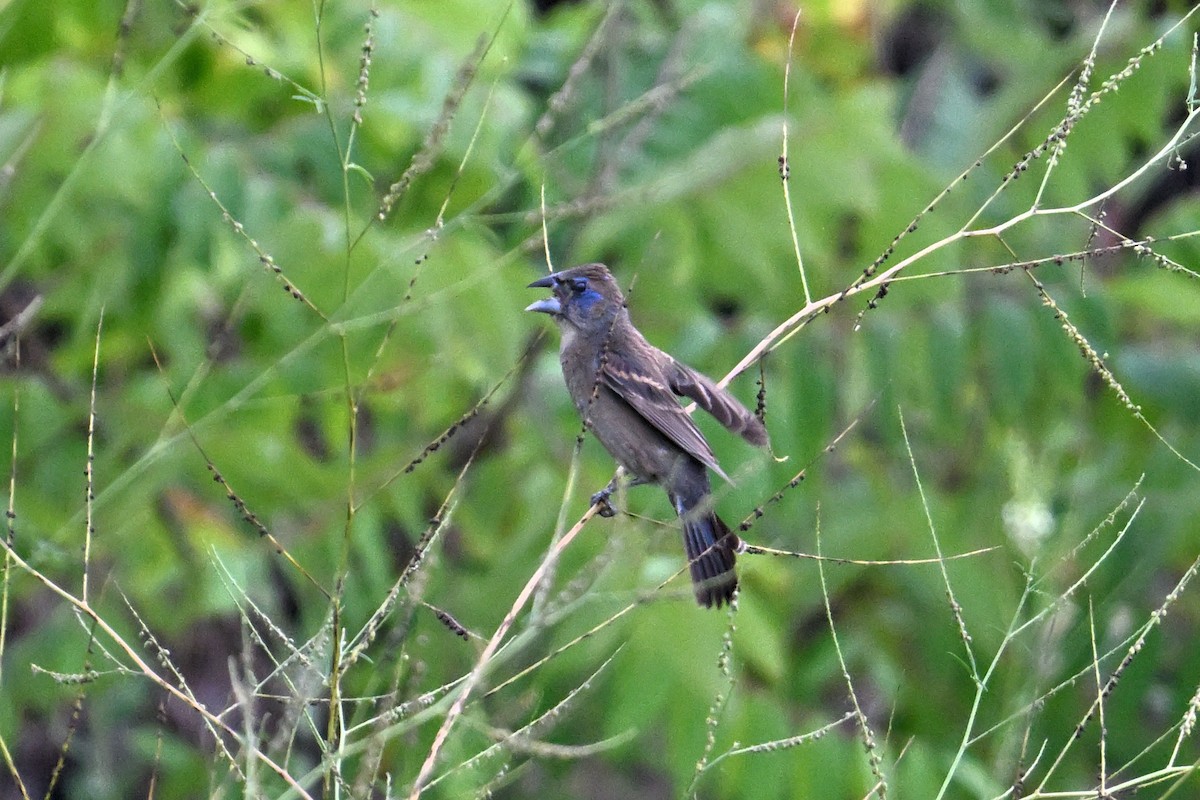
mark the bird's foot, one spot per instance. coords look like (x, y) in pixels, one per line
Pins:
(600, 500)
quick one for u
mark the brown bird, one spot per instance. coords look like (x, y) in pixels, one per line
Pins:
(624, 388)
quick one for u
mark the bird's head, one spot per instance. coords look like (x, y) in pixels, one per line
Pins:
(585, 297)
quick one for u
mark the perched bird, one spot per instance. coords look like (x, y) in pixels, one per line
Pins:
(624, 388)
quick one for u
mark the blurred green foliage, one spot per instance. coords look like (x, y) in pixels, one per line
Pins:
(154, 170)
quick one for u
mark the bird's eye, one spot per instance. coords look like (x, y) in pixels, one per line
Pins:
(579, 285)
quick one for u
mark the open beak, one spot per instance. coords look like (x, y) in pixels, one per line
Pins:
(550, 305)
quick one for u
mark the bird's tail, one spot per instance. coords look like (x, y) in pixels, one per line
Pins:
(710, 547)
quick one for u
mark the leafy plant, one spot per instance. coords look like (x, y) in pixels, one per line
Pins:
(297, 499)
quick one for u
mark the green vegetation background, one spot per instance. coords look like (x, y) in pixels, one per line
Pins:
(161, 159)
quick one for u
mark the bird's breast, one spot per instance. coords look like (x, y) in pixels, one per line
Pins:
(569, 335)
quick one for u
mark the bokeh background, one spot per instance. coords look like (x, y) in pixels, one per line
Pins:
(287, 243)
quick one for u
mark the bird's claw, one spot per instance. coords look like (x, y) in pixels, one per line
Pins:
(600, 501)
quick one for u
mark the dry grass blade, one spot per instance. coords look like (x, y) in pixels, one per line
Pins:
(477, 672)
(149, 672)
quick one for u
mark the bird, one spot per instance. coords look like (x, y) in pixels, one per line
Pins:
(625, 390)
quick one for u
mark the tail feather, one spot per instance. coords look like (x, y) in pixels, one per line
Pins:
(710, 547)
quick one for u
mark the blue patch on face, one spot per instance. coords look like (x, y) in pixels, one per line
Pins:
(586, 300)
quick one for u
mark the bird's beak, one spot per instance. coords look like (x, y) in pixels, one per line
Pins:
(550, 305)
(544, 283)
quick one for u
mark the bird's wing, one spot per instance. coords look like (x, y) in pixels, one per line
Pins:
(649, 394)
(723, 406)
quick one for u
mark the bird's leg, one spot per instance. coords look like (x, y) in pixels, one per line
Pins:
(600, 498)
